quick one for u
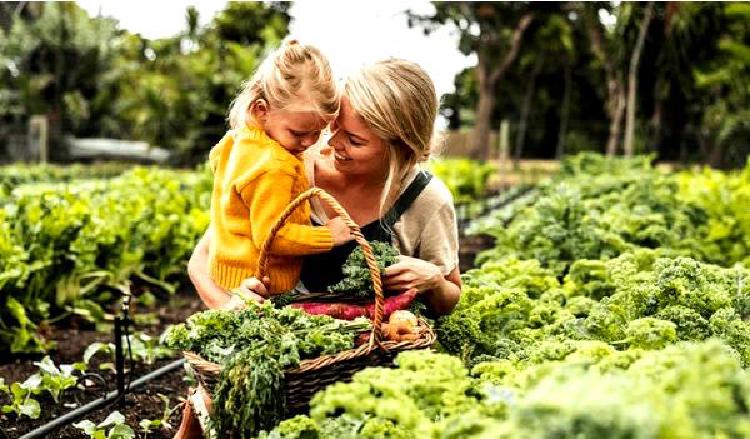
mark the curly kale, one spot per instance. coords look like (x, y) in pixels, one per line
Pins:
(690, 325)
(358, 281)
(255, 346)
(650, 333)
(593, 391)
(217, 334)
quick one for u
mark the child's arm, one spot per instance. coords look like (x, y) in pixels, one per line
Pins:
(266, 197)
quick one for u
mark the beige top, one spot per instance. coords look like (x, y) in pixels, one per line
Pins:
(427, 230)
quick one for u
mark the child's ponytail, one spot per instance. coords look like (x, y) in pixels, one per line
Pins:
(292, 74)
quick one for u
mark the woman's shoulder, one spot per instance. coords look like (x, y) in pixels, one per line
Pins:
(435, 194)
(434, 199)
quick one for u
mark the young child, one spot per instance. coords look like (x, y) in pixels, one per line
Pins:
(258, 171)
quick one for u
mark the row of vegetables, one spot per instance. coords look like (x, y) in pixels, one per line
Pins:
(614, 304)
(74, 238)
(70, 248)
(605, 310)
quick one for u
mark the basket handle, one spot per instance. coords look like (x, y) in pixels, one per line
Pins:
(355, 231)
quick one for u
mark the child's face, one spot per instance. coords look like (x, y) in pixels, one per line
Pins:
(294, 130)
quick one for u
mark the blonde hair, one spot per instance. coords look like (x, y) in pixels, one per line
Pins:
(292, 73)
(397, 100)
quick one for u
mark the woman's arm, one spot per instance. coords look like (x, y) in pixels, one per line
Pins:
(444, 297)
(214, 296)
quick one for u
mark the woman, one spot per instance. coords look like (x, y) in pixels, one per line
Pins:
(384, 129)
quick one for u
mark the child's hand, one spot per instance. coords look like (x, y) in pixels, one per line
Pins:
(251, 289)
(339, 231)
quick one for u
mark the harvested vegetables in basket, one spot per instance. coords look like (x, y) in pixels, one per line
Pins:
(340, 301)
(357, 280)
(350, 311)
(255, 346)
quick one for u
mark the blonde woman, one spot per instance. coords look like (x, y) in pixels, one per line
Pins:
(383, 131)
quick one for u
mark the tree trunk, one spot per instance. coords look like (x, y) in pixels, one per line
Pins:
(481, 132)
(564, 113)
(715, 156)
(632, 80)
(656, 126)
(615, 124)
(526, 109)
(615, 100)
(489, 74)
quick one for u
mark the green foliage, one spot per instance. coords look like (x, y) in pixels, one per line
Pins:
(357, 280)
(12, 176)
(466, 179)
(652, 394)
(71, 244)
(50, 378)
(723, 79)
(143, 348)
(599, 208)
(55, 380)
(637, 300)
(255, 346)
(724, 197)
(21, 402)
(113, 427)
(106, 82)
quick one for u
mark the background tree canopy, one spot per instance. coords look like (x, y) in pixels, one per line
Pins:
(96, 80)
(567, 76)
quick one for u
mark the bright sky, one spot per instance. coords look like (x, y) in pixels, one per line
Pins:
(351, 33)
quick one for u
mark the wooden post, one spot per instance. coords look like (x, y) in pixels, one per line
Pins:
(38, 138)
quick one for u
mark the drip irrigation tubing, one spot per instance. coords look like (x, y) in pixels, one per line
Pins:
(112, 396)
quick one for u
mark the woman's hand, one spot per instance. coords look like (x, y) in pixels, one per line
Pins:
(412, 273)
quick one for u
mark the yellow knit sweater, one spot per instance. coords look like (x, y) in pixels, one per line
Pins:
(255, 179)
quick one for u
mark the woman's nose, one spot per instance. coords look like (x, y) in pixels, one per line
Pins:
(334, 142)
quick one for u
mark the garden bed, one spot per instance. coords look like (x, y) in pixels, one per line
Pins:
(146, 402)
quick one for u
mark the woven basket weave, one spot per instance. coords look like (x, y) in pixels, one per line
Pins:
(312, 375)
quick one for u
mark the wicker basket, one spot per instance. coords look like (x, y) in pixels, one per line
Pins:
(312, 375)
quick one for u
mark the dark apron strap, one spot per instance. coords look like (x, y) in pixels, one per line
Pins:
(407, 198)
(319, 271)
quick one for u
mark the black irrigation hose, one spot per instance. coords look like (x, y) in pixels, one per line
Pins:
(96, 404)
(101, 379)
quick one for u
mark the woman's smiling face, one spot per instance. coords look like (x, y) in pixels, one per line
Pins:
(357, 149)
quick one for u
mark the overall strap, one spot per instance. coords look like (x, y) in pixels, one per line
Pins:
(407, 198)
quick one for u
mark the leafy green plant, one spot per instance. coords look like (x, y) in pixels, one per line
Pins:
(113, 427)
(255, 346)
(70, 245)
(466, 179)
(357, 278)
(21, 402)
(143, 347)
(149, 425)
(56, 380)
